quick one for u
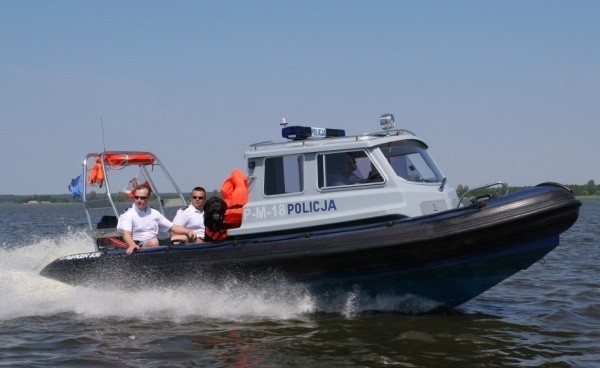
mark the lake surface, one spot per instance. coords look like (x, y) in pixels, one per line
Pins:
(545, 316)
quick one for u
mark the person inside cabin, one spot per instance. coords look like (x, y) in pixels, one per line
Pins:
(140, 224)
(343, 170)
(191, 217)
(354, 174)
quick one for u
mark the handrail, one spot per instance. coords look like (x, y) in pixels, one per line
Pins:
(259, 146)
(505, 185)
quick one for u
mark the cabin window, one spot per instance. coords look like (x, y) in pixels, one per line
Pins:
(346, 168)
(284, 174)
(410, 161)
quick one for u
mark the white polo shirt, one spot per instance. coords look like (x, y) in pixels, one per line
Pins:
(191, 219)
(143, 225)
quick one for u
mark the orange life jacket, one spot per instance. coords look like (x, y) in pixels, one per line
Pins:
(217, 235)
(234, 192)
(96, 175)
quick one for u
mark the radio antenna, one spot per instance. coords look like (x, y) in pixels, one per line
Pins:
(103, 140)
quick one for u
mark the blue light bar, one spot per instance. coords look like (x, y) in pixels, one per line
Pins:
(303, 132)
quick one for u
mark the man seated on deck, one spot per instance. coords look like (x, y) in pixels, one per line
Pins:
(140, 224)
(191, 217)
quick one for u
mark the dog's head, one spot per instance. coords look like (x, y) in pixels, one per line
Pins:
(214, 213)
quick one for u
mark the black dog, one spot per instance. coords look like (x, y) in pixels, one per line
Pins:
(214, 213)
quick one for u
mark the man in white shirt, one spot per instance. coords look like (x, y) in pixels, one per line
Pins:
(192, 216)
(140, 224)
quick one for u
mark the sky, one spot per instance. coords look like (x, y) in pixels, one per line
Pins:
(500, 90)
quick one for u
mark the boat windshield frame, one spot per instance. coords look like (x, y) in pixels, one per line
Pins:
(410, 161)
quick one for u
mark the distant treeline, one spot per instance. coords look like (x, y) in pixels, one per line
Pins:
(588, 189)
(51, 198)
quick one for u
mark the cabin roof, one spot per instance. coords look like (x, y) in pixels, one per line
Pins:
(364, 140)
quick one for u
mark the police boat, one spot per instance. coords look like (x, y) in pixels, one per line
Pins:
(335, 212)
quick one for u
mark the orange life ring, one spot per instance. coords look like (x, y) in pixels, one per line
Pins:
(120, 159)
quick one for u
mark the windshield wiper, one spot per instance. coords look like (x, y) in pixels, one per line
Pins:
(441, 188)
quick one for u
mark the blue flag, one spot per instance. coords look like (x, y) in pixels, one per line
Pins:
(76, 187)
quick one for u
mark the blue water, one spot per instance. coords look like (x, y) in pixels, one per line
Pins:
(547, 315)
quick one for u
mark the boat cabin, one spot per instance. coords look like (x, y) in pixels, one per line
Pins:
(321, 176)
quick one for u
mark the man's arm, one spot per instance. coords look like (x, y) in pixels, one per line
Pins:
(178, 229)
(131, 246)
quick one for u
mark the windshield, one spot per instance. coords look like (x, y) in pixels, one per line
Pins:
(411, 161)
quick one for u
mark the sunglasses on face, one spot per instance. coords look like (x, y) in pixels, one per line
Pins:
(141, 198)
(197, 197)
